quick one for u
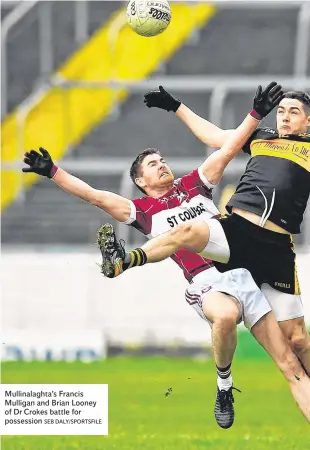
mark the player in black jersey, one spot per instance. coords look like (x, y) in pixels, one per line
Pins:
(265, 210)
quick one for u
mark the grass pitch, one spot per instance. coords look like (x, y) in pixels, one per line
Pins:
(141, 417)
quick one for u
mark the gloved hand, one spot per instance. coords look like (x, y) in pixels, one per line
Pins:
(161, 99)
(265, 100)
(40, 164)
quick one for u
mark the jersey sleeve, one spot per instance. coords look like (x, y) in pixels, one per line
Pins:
(197, 180)
(133, 214)
(139, 218)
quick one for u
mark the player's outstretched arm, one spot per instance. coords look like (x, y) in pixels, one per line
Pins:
(118, 207)
(204, 130)
(263, 103)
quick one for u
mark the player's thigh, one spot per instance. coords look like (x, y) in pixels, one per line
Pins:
(280, 267)
(196, 235)
(238, 284)
(285, 306)
(229, 246)
(217, 247)
(192, 236)
(253, 301)
(218, 306)
(213, 295)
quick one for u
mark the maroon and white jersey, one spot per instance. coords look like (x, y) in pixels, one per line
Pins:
(189, 199)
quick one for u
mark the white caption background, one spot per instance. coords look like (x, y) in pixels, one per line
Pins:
(53, 409)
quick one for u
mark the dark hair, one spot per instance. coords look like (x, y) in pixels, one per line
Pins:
(300, 96)
(135, 166)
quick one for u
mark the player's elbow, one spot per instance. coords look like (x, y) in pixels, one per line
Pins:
(116, 206)
(215, 140)
(218, 138)
(215, 177)
(215, 172)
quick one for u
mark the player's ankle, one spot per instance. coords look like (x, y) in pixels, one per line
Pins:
(136, 257)
(224, 383)
(224, 378)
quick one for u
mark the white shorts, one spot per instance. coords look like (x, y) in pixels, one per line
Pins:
(217, 248)
(285, 306)
(238, 283)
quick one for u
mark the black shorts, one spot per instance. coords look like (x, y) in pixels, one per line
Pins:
(269, 256)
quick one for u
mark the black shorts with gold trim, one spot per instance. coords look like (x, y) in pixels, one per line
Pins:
(269, 256)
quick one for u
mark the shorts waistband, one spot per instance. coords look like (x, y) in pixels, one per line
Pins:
(260, 232)
(204, 275)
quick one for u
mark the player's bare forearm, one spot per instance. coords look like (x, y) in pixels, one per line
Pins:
(214, 166)
(234, 144)
(74, 185)
(204, 130)
(115, 205)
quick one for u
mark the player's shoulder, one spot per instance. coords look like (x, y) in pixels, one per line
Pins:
(188, 179)
(149, 204)
(264, 133)
(304, 137)
(143, 201)
(260, 133)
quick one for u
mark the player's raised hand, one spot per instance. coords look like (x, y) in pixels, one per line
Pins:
(40, 164)
(265, 100)
(161, 99)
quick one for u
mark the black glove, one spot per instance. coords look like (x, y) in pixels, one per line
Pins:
(265, 100)
(40, 164)
(161, 99)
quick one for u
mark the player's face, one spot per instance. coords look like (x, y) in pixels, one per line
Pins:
(292, 117)
(155, 173)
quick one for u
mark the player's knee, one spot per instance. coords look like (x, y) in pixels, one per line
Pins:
(183, 232)
(193, 235)
(184, 235)
(226, 320)
(300, 342)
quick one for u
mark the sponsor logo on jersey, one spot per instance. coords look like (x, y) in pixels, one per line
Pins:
(297, 152)
(198, 207)
(282, 285)
(270, 130)
(188, 214)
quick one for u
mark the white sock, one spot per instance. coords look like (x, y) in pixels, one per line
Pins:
(224, 383)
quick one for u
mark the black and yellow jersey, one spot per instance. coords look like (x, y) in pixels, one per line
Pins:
(276, 182)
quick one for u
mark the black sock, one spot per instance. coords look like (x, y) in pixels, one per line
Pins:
(136, 257)
(224, 372)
